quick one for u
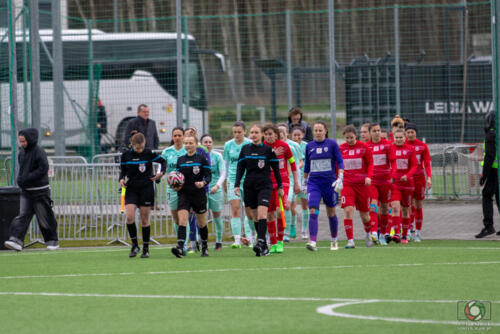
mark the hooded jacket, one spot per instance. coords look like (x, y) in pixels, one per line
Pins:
(33, 163)
(308, 135)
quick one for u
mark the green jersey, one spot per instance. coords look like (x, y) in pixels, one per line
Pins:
(170, 154)
(231, 156)
(303, 145)
(217, 167)
(296, 151)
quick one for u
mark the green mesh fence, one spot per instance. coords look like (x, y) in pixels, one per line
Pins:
(429, 61)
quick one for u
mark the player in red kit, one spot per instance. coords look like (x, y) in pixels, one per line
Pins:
(358, 172)
(380, 190)
(422, 177)
(285, 157)
(404, 164)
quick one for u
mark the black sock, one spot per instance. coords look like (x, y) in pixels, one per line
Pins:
(256, 224)
(261, 230)
(146, 231)
(132, 231)
(203, 235)
(181, 236)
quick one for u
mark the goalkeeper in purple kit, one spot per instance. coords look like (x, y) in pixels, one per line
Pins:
(323, 175)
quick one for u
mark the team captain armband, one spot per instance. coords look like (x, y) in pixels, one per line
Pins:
(292, 164)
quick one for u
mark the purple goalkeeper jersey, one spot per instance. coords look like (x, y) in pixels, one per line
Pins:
(322, 160)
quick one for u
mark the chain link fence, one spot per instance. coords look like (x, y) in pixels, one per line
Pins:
(429, 61)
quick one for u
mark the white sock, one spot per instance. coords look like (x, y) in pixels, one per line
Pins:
(333, 239)
(237, 239)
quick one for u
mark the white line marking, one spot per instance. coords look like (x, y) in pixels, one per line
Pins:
(42, 251)
(327, 310)
(260, 298)
(330, 310)
(175, 272)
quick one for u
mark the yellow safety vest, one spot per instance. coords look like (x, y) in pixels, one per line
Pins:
(495, 163)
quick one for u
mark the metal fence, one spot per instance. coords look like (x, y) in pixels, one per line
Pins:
(87, 202)
(87, 198)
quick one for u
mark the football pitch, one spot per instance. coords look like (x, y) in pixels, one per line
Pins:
(414, 288)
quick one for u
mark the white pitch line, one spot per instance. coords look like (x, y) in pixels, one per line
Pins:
(257, 298)
(41, 251)
(330, 310)
(175, 272)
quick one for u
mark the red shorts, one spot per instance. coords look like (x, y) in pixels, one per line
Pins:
(419, 192)
(274, 202)
(356, 195)
(402, 195)
(381, 192)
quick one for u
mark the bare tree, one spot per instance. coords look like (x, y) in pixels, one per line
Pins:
(150, 14)
(131, 16)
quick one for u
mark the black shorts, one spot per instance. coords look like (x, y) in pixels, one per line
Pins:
(140, 196)
(196, 201)
(257, 194)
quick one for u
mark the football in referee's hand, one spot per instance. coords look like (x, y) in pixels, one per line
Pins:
(175, 180)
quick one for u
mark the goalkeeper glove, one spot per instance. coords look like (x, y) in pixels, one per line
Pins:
(338, 185)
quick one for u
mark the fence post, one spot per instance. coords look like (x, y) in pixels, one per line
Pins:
(495, 32)
(57, 79)
(178, 27)
(35, 64)
(331, 40)
(262, 111)
(13, 85)
(238, 111)
(289, 59)
(396, 63)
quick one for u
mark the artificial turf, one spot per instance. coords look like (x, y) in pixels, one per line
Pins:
(101, 290)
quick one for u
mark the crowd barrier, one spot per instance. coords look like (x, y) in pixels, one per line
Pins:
(87, 195)
(87, 202)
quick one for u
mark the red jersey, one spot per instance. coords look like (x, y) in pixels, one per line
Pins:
(404, 162)
(381, 153)
(285, 156)
(423, 157)
(358, 162)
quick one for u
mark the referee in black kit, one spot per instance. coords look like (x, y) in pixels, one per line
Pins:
(257, 160)
(192, 194)
(137, 175)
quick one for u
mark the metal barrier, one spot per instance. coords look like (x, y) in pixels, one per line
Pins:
(464, 170)
(87, 203)
(87, 198)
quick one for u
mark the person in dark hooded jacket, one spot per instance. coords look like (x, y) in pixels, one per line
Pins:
(295, 119)
(489, 176)
(33, 180)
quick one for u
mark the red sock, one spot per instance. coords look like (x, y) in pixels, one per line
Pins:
(384, 219)
(396, 223)
(271, 229)
(406, 225)
(412, 214)
(419, 218)
(281, 230)
(348, 229)
(373, 221)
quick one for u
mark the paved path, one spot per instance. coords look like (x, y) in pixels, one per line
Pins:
(442, 220)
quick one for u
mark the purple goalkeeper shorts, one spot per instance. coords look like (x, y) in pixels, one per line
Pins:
(323, 190)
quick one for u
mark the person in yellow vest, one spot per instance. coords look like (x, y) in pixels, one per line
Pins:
(489, 176)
